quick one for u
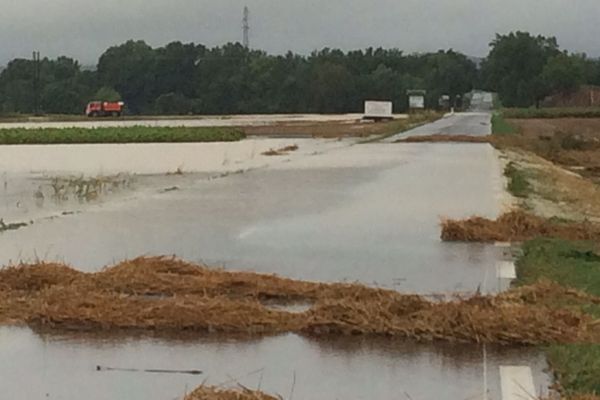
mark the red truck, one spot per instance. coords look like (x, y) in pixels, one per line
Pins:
(104, 109)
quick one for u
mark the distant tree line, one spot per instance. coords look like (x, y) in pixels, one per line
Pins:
(523, 69)
(193, 79)
(188, 78)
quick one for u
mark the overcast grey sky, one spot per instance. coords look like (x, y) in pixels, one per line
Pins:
(84, 28)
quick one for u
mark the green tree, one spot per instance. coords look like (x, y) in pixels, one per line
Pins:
(563, 73)
(332, 89)
(449, 73)
(514, 66)
(106, 93)
(173, 104)
(130, 69)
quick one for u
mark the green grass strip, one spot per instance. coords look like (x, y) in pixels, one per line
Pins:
(137, 134)
(501, 127)
(576, 368)
(573, 264)
(518, 185)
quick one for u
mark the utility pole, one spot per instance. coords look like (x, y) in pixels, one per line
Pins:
(36, 82)
(246, 27)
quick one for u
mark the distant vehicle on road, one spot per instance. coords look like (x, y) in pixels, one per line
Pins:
(104, 109)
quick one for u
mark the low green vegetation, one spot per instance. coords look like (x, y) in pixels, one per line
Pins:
(502, 127)
(576, 368)
(526, 113)
(576, 265)
(518, 185)
(572, 264)
(137, 134)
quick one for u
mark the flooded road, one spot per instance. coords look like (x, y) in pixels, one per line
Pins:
(63, 367)
(367, 213)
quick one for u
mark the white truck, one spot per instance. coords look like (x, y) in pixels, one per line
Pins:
(378, 110)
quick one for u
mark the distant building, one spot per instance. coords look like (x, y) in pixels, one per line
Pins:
(416, 99)
(585, 96)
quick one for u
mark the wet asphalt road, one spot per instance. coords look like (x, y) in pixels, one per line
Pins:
(475, 122)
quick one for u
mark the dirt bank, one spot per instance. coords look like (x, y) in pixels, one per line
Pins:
(556, 191)
(170, 296)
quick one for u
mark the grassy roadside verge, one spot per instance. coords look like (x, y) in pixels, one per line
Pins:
(501, 127)
(583, 112)
(573, 264)
(135, 134)
(518, 185)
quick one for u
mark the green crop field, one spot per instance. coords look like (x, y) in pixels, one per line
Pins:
(137, 134)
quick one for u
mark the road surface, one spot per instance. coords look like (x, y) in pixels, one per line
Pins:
(475, 122)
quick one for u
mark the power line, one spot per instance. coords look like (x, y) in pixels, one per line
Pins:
(246, 27)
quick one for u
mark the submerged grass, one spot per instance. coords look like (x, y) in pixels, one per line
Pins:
(136, 134)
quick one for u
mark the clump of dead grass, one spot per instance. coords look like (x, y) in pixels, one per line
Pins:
(511, 318)
(167, 295)
(215, 393)
(282, 151)
(446, 139)
(516, 226)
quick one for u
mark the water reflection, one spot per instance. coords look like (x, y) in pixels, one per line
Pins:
(64, 366)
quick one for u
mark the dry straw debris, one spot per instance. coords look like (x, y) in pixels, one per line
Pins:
(282, 151)
(170, 296)
(445, 139)
(516, 226)
(215, 393)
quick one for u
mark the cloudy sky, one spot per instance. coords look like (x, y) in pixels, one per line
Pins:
(84, 28)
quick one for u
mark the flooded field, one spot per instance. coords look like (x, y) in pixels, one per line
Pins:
(359, 209)
(330, 211)
(65, 367)
(207, 121)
